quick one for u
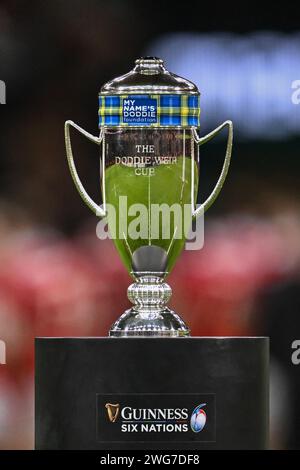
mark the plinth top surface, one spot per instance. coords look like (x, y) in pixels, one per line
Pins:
(219, 338)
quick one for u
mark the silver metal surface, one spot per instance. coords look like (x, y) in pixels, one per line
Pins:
(149, 76)
(149, 316)
(202, 140)
(98, 210)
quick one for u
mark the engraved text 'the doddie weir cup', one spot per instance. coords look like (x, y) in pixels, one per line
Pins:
(149, 170)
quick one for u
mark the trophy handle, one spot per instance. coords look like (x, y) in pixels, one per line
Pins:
(98, 210)
(202, 140)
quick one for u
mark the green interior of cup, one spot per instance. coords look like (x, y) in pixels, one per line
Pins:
(170, 184)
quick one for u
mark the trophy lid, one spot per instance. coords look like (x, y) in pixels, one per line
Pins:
(149, 95)
(149, 76)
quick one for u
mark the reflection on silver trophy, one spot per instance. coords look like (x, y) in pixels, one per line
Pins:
(149, 154)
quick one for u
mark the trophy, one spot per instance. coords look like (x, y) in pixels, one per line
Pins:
(149, 145)
(201, 393)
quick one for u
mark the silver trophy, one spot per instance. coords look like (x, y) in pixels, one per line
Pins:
(149, 171)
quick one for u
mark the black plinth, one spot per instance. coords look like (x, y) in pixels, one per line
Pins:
(140, 393)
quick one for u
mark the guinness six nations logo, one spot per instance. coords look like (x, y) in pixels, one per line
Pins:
(157, 419)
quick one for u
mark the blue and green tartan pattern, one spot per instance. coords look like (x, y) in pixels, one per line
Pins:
(170, 110)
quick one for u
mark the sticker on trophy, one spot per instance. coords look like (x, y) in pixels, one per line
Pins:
(139, 110)
(155, 417)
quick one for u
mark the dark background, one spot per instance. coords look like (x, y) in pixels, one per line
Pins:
(56, 278)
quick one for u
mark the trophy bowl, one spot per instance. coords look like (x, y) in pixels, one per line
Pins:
(149, 172)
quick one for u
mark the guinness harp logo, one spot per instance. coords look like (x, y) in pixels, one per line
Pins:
(112, 411)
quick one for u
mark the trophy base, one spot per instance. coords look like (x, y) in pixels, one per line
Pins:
(163, 323)
(151, 393)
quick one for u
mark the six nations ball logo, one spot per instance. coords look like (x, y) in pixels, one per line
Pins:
(198, 418)
(156, 420)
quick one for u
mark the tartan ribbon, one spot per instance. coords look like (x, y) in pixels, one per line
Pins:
(149, 110)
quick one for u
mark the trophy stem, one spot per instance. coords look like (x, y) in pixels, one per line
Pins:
(149, 316)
